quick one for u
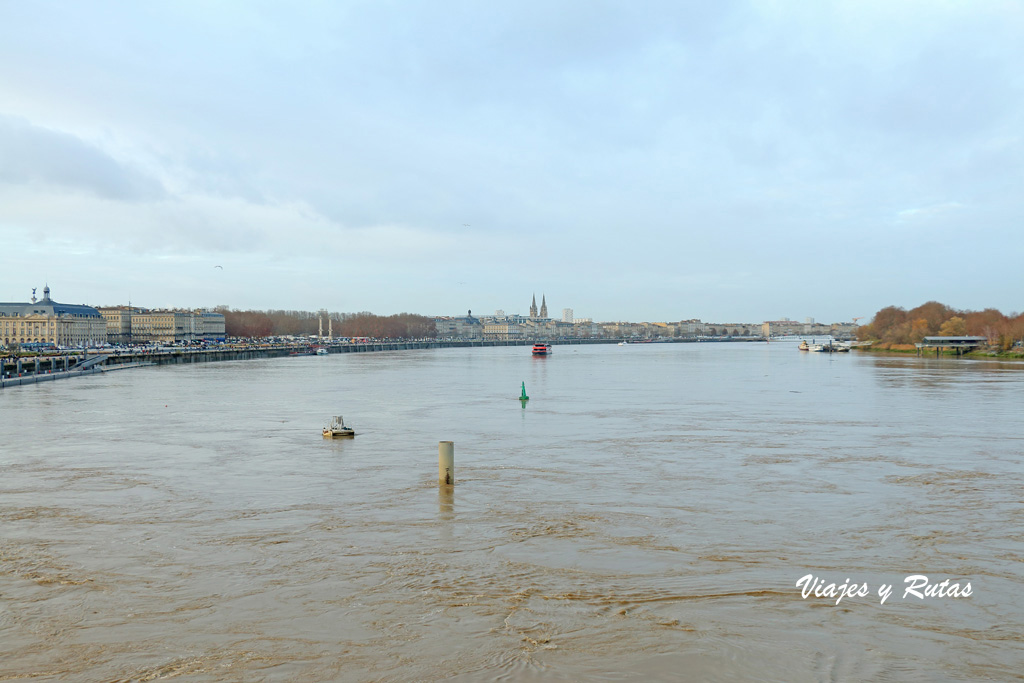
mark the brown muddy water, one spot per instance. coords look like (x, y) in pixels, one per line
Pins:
(645, 517)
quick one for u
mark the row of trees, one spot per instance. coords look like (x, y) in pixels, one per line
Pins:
(894, 325)
(305, 323)
(398, 326)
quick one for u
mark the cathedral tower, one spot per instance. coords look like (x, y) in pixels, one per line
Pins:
(543, 305)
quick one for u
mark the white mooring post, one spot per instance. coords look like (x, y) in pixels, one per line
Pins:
(446, 463)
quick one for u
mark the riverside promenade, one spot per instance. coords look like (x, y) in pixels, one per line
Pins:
(18, 372)
(249, 351)
(30, 370)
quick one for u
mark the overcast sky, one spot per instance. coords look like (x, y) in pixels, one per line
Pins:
(633, 160)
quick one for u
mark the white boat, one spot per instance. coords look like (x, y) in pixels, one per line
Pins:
(321, 351)
(830, 347)
(337, 428)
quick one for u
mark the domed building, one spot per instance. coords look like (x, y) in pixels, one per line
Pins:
(48, 322)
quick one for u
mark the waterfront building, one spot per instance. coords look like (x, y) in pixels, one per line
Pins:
(48, 322)
(782, 328)
(162, 327)
(459, 327)
(509, 328)
(119, 323)
(732, 329)
(690, 328)
(213, 325)
(627, 330)
(570, 330)
(843, 330)
(134, 325)
(505, 328)
(566, 315)
(789, 328)
(586, 328)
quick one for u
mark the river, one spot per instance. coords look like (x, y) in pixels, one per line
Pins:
(645, 516)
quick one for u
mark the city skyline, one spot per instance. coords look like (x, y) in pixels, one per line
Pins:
(737, 161)
(494, 313)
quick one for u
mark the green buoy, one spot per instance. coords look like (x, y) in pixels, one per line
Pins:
(524, 397)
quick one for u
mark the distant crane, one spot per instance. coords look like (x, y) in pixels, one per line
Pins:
(859, 317)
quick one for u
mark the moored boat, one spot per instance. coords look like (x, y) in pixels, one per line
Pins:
(541, 349)
(337, 428)
(321, 351)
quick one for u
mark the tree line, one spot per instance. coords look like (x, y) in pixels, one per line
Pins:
(305, 323)
(895, 325)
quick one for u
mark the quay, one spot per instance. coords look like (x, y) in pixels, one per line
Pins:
(30, 370)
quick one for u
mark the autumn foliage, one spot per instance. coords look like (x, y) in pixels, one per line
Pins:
(893, 325)
(305, 323)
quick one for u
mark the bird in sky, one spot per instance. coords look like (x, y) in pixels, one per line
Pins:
(466, 225)
(221, 267)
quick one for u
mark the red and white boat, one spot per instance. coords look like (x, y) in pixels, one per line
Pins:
(540, 349)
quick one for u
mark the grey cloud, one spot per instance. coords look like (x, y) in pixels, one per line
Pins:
(729, 136)
(33, 154)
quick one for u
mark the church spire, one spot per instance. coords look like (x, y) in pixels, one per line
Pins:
(533, 307)
(543, 306)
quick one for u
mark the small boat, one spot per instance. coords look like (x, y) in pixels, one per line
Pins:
(321, 351)
(337, 428)
(540, 349)
(830, 347)
(623, 343)
(804, 346)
